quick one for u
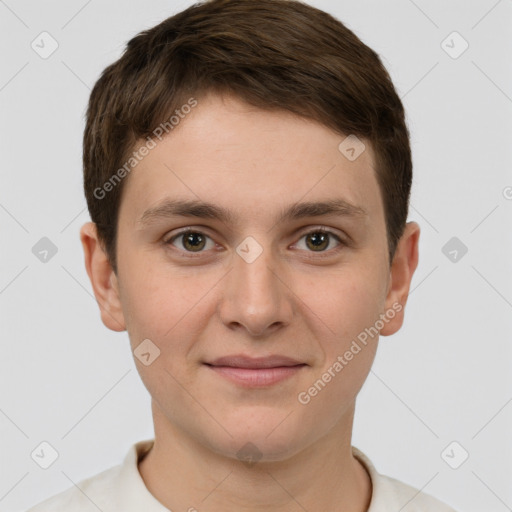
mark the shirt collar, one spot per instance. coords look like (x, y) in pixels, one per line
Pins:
(136, 496)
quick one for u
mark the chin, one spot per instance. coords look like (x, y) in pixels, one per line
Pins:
(268, 440)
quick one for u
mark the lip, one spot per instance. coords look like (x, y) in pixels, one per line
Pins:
(243, 361)
(256, 371)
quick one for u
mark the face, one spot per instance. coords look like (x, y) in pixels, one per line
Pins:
(249, 277)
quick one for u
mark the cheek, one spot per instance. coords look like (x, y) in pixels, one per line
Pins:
(349, 309)
(345, 301)
(168, 308)
(346, 305)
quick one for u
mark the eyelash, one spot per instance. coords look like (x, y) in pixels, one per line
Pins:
(320, 254)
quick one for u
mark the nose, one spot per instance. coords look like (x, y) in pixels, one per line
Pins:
(255, 297)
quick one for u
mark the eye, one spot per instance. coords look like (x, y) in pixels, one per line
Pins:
(190, 241)
(320, 240)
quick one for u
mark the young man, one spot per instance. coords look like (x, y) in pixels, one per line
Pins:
(247, 169)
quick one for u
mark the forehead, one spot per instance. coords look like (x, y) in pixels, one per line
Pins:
(229, 153)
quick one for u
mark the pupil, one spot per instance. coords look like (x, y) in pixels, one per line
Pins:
(194, 241)
(318, 239)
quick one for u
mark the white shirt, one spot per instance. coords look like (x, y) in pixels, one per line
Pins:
(122, 489)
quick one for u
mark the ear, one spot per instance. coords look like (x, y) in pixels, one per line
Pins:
(103, 279)
(404, 264)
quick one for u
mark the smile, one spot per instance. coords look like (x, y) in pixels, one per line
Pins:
(256, 377)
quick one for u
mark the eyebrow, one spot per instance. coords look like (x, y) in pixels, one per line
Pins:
(194, 208)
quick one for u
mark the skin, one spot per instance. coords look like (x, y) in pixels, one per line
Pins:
(292, 300)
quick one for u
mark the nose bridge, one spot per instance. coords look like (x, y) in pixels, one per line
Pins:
(255, 297)
(257, 276)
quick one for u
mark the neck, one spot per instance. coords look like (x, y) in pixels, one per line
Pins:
(184, 474)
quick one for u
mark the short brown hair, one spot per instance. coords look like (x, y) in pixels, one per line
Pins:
(273, 54)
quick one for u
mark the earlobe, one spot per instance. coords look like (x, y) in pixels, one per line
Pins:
(103, 279)
(404, 264)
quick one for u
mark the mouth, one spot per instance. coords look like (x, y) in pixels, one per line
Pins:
(255, 372)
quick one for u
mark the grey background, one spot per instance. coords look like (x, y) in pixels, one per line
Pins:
(446, 376)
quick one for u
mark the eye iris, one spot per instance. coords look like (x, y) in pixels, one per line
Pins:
(193, 241)
(318, 239)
